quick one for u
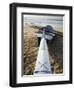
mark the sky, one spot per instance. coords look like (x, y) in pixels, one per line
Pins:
(56, 21)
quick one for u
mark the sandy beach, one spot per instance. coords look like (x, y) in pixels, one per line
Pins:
(55, 49)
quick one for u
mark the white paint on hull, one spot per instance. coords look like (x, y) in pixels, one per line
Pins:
(42, 64)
